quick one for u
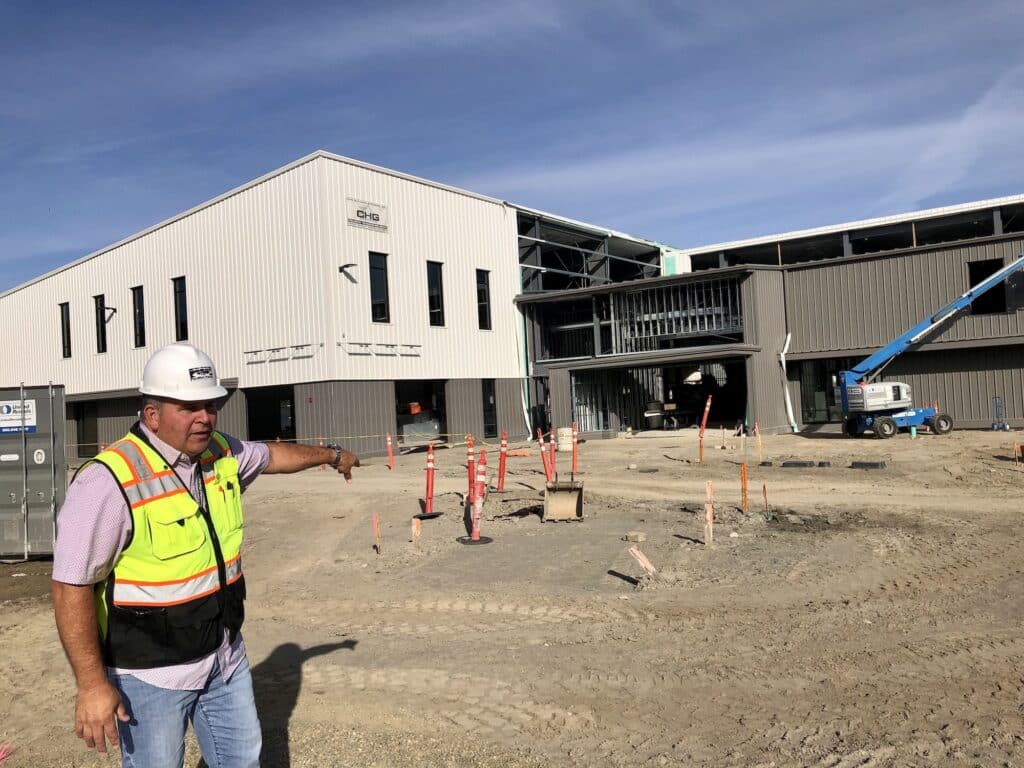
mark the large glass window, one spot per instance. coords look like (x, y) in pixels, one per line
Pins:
(380, 306)
(435, 292)
(101, 323)
(483, 299)
(180, 310)
(65, 329)
(139, 316)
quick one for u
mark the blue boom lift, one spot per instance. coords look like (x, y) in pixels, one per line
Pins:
(886, 407)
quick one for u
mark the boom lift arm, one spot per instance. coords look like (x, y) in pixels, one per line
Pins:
(885, 408)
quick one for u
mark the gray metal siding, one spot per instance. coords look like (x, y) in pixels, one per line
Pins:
(965, 381)
(115, 417)
(561, 397)
(233, 417)
(509, 396)
(765, 324)
(464, 403)
(868, 302)
(356, 414)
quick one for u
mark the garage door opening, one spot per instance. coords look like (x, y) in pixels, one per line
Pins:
(421, 416)
(270, 412)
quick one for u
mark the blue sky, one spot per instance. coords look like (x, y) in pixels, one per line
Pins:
(683, 122)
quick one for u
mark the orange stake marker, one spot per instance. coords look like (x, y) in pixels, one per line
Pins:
(376, 533)
(391, 454)
(743, 485)
(470, 467)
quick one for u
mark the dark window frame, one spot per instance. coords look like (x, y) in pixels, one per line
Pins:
(180, 308)
(483, 300)
(139, 316)
(100, 306)
(435, 293)
(380, 298)
(65, 329)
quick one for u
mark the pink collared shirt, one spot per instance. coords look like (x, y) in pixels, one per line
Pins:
(93, 525)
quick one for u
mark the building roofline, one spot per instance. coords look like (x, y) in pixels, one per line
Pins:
(318, 154)
(899, 218)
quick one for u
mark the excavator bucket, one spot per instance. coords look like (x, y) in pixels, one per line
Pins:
(563, 500)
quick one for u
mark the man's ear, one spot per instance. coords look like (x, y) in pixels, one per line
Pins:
(151, 416)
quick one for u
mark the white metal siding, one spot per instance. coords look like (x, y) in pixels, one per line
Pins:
(265, 298)
(424, 224)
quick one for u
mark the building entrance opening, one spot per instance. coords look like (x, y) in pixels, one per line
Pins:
(669, 397)
(271, 413)
(421, 416)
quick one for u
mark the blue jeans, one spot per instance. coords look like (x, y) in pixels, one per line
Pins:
(222, 714)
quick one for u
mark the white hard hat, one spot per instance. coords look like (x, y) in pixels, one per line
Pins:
(181, 372)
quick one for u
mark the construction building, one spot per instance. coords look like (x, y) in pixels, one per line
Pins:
(344, 300)
(339, 300)
(763, 325)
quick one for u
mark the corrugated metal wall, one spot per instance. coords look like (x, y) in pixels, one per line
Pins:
(764, 311)
(866, 303)
(464, 401)
(356, 414)
(233, 418)
(509, 396)
(561, 396)
(424, 223)
(965, 381)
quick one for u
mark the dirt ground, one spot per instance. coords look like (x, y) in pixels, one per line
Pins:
(863, 618)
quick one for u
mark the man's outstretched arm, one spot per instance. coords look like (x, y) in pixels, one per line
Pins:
(292, 457)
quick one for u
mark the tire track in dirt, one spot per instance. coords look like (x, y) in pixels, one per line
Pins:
(478, 704)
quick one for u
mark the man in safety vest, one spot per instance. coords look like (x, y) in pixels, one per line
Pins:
(148, 588)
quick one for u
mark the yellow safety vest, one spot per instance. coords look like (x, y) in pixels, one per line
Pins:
(178, 583)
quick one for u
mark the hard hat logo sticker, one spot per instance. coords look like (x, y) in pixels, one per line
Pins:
(205, 372)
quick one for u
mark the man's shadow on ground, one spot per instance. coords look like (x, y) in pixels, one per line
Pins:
(277, 682)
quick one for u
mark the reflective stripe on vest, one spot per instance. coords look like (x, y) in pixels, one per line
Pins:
(164, 593)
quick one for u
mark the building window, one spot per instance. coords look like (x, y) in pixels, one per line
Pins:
(101, 323)
(435, 292)
(139, 316)
(490, 407)
(180, 310)
(380, 306)
(65, 329)
(993, 301)
(483, 299)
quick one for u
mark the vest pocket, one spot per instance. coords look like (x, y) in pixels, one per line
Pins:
(230, 492)
(174, 534)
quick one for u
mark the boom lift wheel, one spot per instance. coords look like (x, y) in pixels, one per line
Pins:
(885, 427)
(853, 428)
(941, 424)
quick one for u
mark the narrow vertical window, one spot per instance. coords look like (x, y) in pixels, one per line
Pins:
(101, 323)
(435, 292)
(180, 310)
(483, 299)
(65, 329)
(490, 408)
(380, 307)
(139, 316)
